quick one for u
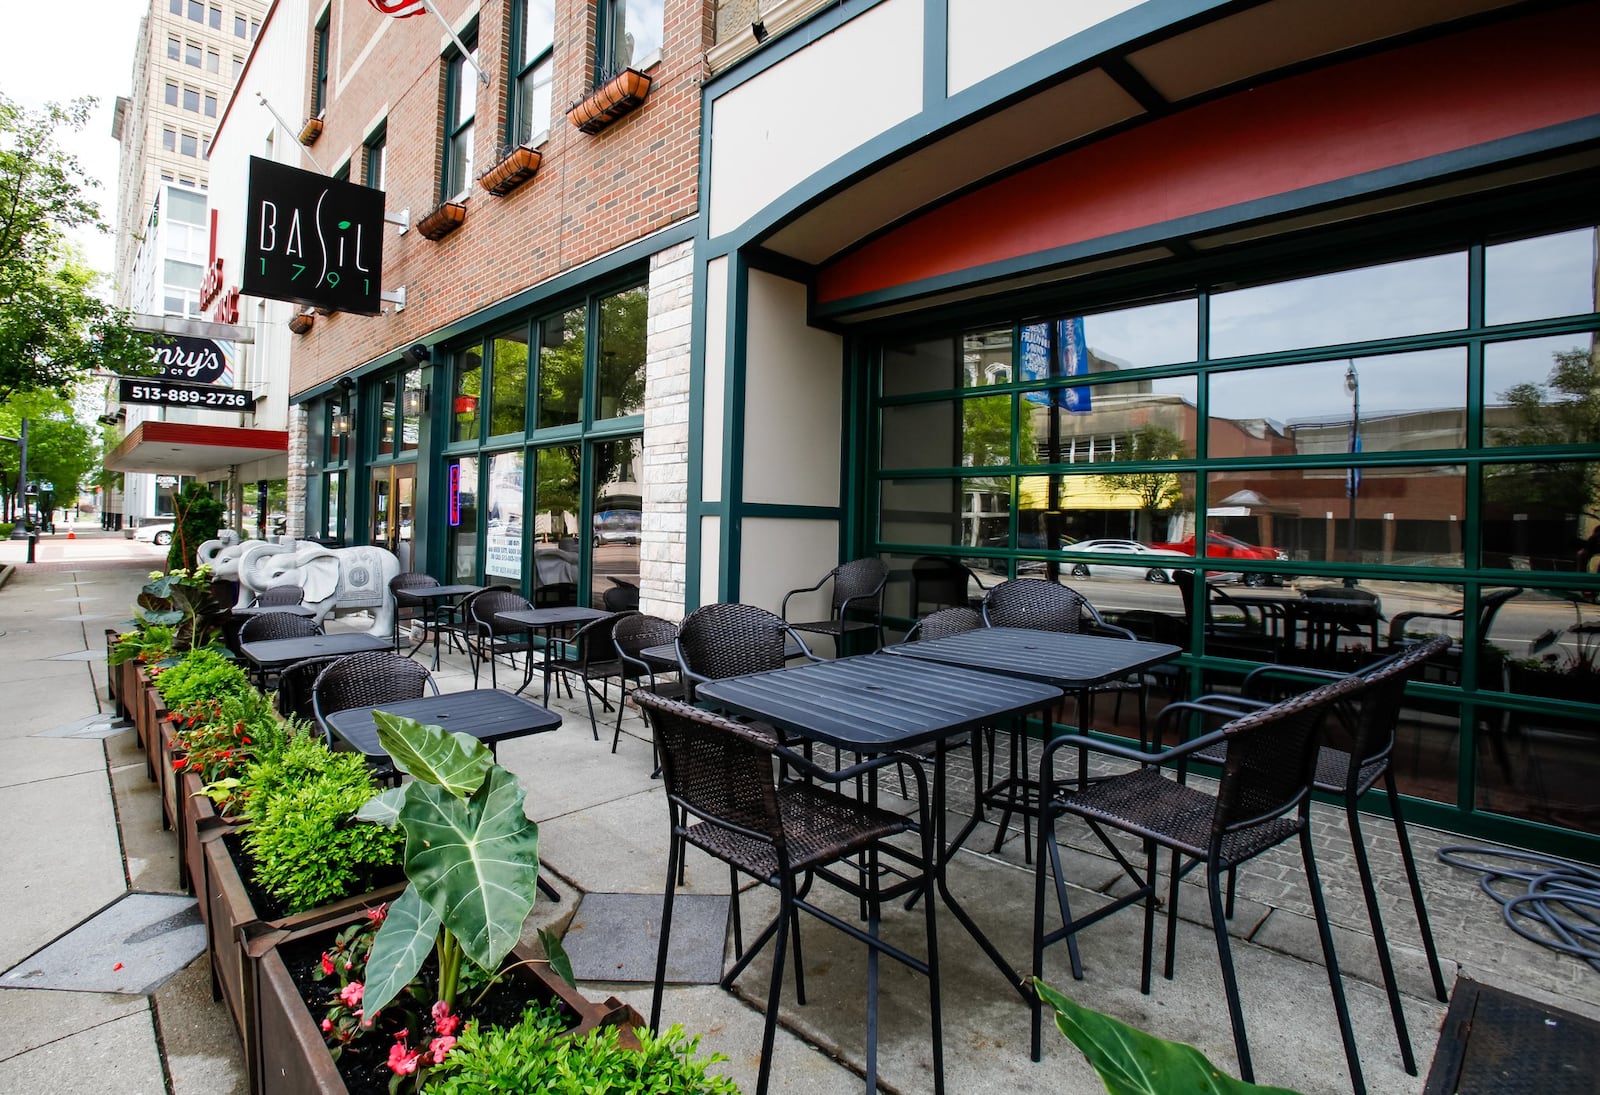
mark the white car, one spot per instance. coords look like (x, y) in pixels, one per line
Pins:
(155, 530)
(1130, 547)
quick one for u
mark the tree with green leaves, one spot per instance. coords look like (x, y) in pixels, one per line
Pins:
(1564, 410)
(61, 450)
(1157, 491)
(54, 330)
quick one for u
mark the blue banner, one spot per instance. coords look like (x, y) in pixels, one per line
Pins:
(1352, 476)
(1070, 358)
(1074, 362)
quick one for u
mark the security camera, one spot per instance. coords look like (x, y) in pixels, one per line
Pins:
(417, 354)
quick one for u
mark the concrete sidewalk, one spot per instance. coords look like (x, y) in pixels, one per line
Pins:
(85, 828)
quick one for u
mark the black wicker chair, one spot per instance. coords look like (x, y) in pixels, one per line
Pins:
(487, 639)
(1349, 773)
(413, 609)
(294, 699)
(1262, 799)
(727, 639)
(942, 583)
(633, 634)
(857, 588)
(591, 656)
(365, 679)
(276, 625)
(724, 800)
(1250, 631)
(280, 595)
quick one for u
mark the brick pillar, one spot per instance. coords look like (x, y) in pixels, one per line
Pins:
(295, 486)
(664, 479)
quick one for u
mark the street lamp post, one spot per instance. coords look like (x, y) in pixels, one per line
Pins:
(1352, 476)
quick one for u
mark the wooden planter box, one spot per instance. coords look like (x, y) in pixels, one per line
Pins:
(290, 1057)
(227, 909)
(196, 814)
(617, 97)
(514, 168)
(114, 676)
(152, 712)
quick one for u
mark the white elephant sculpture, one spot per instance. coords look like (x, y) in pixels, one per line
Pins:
(238, 562)
(335, 580)
(207, 552)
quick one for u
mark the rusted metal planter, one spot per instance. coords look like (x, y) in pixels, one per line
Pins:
(291, 1057)
(196, 813)
(227, 910)
(151, 717)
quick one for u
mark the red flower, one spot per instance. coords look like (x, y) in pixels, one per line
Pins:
(327, 964)
(179, 762)
(402, 1061)
(443, 1021)
(441, 1046)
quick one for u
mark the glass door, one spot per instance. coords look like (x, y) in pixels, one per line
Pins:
(393, 494)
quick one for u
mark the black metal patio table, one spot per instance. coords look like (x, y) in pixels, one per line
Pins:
(547, 620)
(258, 610)
(270, 654)
(435, 601)
(488, 714)
(876, 703)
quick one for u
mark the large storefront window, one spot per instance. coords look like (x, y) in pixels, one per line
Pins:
(1367, 455)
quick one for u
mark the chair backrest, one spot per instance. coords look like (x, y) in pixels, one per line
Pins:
(947, 621)
(1035, 603)
(295, 682)
(409, 580)
(716, 768)
(940, 582)
(281, 595)
(859, 584)
(621, 599)
(368, 678)
(726, 639)
(482, 607)
(1375, 721)
(637, 631)
(278, 625)
(594, 640)
(1272, 757)
(1489, 605)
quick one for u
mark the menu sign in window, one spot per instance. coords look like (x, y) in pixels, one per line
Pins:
(313, 240)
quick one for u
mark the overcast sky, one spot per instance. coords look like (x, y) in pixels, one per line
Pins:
(58, 52)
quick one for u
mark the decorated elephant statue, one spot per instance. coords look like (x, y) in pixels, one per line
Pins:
(335, 580)
(238, 562)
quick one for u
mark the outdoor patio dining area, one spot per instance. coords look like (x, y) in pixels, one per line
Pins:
(604, 846)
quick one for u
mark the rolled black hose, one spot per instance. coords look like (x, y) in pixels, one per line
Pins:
(1556, 902)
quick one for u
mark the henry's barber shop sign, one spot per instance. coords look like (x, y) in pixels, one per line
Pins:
(312, 240)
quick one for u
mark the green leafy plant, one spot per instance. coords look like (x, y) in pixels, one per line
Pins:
(175, 607)
(149, 643)
(535, 1055)
(1131, 1062)
(305, 850)
(200, 675)
(199, 515)
(472, 860)
(219, 738)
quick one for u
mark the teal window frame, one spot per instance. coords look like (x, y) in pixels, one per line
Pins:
(319, 49)
(456, 154)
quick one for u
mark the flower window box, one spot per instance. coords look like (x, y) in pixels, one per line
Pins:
(511, 171)
(302, 322)
(613, 99)
(443, 220)
(311, 131)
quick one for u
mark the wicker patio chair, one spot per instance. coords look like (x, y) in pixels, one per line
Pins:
(727, 639)
(857, 588)
(942, 583)
(1262, 799)
(281, 595)
(633, 634)
(412, 608)
(725, 800)
(591, 656)
(366, 679)
(275, 625)
(294, 699)
(486, 638)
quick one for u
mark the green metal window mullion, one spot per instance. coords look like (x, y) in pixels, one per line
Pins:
(858, 524)
(1202, 442)
(1472, 591)
(730, 530)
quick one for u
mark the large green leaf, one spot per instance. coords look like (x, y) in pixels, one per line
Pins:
(476, 861)
(1131, 1062)
(401, 946)
(383, 808)
(455, 762)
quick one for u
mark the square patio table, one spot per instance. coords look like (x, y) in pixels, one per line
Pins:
(433, 600)
(547, 620)
(269, 654)
(878, 703)
(257, 610)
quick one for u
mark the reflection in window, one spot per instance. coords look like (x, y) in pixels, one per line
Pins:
(986, 358)
(618, 520)
(946, 512)
(1405, 401)
(387, 405)
(562, 345)
(632, 35)
(1417, 296)
(556, 505)
(1542, 515)
(509, 379)
(411, 424)
(532, 67)
(1054, 511)
(333, 501)
(464, 405)
(1152, 334)
(502, 538)
(619, 387)
(972, 433)
(461, 518)
(1542, 391)
(1541, 278)
(1132, 420)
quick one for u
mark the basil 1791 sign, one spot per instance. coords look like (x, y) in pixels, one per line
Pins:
(312, 240)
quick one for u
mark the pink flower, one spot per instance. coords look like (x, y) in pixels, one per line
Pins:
(327, 1025)
(443, 1021)
(327, 964)
(377, 915)
(351, 994)
(401, 1060)
(441, 1046)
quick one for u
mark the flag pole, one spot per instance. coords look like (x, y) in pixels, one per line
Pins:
(466, 54)
(288, 129)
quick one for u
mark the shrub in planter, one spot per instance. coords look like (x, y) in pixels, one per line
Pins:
(220, 737)
(201, 675)
(305, 850)
(534, 1054)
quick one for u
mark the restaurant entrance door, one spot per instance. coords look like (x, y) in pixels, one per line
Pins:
(393, 492)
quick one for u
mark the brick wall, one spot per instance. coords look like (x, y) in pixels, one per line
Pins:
(592, 195)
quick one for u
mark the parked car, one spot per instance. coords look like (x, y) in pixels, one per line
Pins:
(1219, 546)
(1130, 547)
(618, 526)
(155, 530)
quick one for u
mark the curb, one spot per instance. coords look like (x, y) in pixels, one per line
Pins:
(6, 571)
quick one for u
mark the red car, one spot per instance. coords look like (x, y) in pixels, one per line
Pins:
(1219, 546)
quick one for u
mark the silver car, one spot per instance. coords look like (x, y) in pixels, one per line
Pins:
(1129, 547)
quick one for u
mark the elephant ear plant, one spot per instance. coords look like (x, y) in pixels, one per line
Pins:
(471, 856)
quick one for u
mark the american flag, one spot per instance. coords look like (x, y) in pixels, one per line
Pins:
(400, 9)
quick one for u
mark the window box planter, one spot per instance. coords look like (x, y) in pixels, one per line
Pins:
(311, 131)
(618, 96)
(291, 1057)
(302, 322)
(513, 169)
(443, 220)
(227, 910)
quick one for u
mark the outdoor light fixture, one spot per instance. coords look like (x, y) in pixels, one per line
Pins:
(414, 402)
(341, 424)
